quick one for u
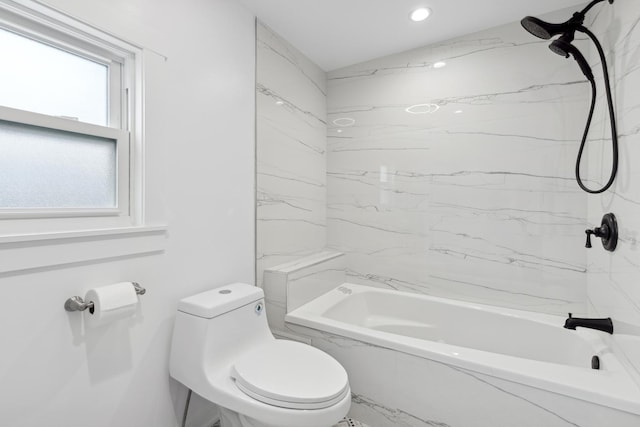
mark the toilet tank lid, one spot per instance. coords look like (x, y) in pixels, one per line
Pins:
(220, 300)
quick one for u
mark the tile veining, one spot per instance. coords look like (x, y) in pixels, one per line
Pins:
(291, 123)
(476, 188)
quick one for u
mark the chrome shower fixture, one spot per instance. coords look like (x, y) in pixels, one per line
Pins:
(563, 46)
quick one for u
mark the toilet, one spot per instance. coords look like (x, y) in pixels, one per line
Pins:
(223, 350)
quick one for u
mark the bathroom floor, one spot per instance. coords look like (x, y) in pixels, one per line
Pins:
(350, 422)
(346, 422)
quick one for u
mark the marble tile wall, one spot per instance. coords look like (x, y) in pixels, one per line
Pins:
(614, 277)
(457, 181)
(291, 153)
(293, 284)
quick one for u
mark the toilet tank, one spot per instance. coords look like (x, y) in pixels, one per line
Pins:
(216, 302)
(212, 328)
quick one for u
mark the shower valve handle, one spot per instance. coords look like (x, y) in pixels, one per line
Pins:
(608, 232)
(589, 233)
(602, 232)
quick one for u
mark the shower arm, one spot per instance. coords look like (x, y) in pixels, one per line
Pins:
(614, 132)
(590, 5)
(576, 21)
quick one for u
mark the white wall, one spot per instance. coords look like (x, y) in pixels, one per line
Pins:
(291, 147)
(200, 141)
(474, 201)
(614, 277)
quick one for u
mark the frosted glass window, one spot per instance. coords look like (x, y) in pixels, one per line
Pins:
(44, 79)
(45, 168)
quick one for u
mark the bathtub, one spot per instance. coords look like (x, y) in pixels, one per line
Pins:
(522, 356)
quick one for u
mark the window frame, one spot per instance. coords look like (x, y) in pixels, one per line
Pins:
(124, 123)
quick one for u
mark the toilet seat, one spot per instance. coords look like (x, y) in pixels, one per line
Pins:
(291, 375)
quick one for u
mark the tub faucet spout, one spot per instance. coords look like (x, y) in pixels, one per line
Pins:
(605, 325)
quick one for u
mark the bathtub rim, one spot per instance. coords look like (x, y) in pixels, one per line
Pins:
(613, 388)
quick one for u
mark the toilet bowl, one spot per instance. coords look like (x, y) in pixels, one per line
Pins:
(223, 350)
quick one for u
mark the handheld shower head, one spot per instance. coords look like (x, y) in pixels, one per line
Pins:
(563, 47)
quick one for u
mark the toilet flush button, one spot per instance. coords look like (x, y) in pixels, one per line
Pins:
(259, 308)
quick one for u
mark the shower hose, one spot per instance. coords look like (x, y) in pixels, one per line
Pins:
(614, 133)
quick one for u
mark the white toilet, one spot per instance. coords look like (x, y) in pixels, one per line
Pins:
(223, 350)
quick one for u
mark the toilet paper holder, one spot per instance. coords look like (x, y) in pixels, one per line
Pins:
(76, 303)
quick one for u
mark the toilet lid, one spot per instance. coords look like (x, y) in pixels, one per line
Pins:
(290, 374)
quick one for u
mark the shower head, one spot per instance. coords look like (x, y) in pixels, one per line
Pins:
(546, 30)
(563, 47)
(542, 29)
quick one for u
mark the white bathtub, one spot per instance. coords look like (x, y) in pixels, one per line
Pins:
(516, 346)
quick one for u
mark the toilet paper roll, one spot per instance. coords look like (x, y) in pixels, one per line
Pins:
(111, 303)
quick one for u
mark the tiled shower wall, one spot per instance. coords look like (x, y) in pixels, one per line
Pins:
(473, 197)
(614, 277)
(291, 153)
(457, 181)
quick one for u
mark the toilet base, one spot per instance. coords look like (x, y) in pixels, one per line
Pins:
(233, 419)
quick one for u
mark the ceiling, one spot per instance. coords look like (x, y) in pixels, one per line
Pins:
(337, 33)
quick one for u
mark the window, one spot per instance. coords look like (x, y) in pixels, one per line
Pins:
(44, 78)
(69, 104)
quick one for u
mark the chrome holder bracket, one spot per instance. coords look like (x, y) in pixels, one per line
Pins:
(76, 303)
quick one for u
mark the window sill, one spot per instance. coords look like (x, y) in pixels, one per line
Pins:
(29, 251)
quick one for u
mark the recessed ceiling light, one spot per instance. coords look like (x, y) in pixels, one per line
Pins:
(344, 121)
(439, 64)
(423, 109)
(420, 14)
(457, 112)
